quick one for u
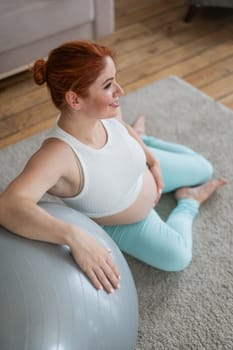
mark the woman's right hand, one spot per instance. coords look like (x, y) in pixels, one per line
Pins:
(157, 174)
(95, 261)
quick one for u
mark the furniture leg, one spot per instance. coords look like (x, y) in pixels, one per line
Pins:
(190, 13)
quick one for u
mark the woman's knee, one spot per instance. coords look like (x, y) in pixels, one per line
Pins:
(206, 169)
(183, 262)
(178, 261)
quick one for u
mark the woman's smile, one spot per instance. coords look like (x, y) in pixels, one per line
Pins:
(115, 103)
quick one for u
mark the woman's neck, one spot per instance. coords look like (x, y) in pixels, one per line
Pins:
(87, 130)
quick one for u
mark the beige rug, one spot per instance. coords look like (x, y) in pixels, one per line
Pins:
(192, 309)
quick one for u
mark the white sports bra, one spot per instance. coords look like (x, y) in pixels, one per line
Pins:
(112, 174)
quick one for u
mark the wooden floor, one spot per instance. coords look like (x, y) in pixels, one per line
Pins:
(152, 41)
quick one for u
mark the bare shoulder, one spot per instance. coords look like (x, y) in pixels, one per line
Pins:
(55, 148)
(54, 155)
(50, 165)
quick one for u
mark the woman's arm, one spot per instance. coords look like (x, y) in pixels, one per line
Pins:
(152, 162)
(20, 214)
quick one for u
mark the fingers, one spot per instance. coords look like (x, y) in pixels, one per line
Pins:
(102, 272)
(156, 172)
(158, 178)
(94, 279)
(107, 278)
(108, 275)
(95, 261)
(104, 278)
(157, 200)
(113, 267)
(160, 188)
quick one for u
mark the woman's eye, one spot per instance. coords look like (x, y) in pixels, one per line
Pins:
(108, 85)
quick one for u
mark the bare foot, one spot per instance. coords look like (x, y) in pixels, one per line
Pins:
(201, 193)
(139, 125)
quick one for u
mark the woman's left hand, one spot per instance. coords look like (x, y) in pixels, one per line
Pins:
(157, 174)
(152, 162)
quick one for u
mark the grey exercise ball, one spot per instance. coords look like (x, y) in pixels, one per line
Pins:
(47, 303)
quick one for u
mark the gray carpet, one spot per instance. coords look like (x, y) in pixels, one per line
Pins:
(192, 309)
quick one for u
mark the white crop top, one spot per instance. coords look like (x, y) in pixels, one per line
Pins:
(112, 174)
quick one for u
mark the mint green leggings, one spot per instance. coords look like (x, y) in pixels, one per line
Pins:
(166, 245)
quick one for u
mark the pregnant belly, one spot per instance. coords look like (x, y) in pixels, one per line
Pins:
(139, 209)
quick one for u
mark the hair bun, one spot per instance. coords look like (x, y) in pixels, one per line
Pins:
(39, 71)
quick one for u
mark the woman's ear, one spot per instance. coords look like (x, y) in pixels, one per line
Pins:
(72, 100)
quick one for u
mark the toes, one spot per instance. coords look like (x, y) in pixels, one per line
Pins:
(220, 182)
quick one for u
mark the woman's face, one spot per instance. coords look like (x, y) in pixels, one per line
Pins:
(104, 93)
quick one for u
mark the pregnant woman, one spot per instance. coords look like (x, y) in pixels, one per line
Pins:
(101, 167)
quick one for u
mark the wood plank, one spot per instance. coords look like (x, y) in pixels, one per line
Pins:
(220, 88)
(27, 132)
(187, 31)
(213, 72)
(145, 53)
(160, 44)
(31, 98)
(123, 7)
(173, 56)
(138, 37)
(146, 12)
(27, 119)
(18, 85)
(194, 69)
(115, 40)
(135, 35)
(227, 101)
(14, 79)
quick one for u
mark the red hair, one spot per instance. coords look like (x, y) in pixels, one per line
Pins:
(71, 66)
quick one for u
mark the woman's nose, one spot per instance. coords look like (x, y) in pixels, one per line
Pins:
(119, 90)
